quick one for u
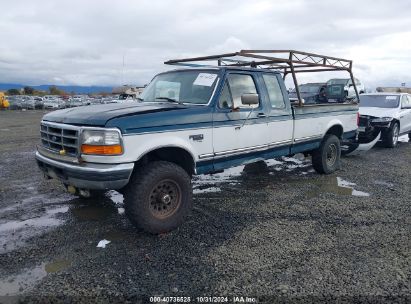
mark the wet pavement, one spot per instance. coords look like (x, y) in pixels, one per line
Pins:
(274, 228)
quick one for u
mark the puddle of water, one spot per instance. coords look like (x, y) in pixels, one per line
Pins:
(349, 185)
(93, 212)
(384, 183)
(57, 266)
(17, 284)
(334, 185)
(42, 221)
(14, 233)
(22, 282)
(33, 199)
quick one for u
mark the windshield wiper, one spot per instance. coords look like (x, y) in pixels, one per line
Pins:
(169, 99)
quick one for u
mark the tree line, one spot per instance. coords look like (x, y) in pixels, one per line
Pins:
(53, 90)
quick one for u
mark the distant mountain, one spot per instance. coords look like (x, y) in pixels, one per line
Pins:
(68, 89)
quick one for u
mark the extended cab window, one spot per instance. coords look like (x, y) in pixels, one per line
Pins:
(275, 93)
(241, 84)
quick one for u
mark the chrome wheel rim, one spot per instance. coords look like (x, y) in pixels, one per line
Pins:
(164, 199)
(331, 156)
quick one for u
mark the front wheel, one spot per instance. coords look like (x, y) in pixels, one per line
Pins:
(158, 197)
(391, 137)
(326, 159)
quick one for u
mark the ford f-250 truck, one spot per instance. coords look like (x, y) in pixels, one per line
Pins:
(187, 121)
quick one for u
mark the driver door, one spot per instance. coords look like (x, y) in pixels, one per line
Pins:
(238, 131)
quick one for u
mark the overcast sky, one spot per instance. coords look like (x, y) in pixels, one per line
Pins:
(83, 42)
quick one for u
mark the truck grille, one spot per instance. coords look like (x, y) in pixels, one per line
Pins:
(57, 137)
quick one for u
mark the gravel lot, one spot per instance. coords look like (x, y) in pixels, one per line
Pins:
(277, 231)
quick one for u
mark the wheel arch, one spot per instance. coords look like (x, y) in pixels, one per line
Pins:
(394, 121)
(335, 129)
(171, 153)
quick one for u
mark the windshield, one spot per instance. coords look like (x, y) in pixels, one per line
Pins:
(195, 87)
(379, 101)
(337, 81)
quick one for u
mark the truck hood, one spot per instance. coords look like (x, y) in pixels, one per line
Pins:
(378, 112)
(99, 115)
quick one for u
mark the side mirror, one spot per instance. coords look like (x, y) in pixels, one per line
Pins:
(249, 99)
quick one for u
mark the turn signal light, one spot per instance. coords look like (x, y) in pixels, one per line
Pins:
(102, 150)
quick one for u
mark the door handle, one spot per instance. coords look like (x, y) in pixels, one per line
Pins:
(261, 115)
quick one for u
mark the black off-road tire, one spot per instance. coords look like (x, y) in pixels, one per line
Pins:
(391, 137)
(326, 159)
(158, 197)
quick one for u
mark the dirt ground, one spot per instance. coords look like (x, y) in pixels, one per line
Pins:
(275, 231)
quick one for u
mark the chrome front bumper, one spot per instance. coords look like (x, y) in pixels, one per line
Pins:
(86, 175)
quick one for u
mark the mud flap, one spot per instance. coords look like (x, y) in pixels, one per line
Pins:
(357, 148)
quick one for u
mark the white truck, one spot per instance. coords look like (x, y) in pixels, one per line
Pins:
(200, 120)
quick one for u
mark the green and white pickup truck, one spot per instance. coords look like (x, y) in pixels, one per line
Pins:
(197, 120)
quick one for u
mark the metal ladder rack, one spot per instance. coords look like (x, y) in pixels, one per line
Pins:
(284, 61)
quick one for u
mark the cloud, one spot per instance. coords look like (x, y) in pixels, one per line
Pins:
(84, 42)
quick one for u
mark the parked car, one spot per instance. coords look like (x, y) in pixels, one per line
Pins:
(15, 103)
(27, 102)
(311, 93)
(72, 103)
(341, 90)
(107, 100)
(388, 113)
(91, 101)
(188, 121)
(54, 104)
(38, 102)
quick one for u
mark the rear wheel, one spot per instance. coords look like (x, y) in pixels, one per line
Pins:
(158, 197)
(326, 159)
(391, 137)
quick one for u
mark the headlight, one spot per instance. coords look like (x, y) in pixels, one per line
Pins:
(382, 119)
(101, 142)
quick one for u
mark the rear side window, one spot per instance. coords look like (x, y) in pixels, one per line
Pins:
(275, 93)
(241, 84)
